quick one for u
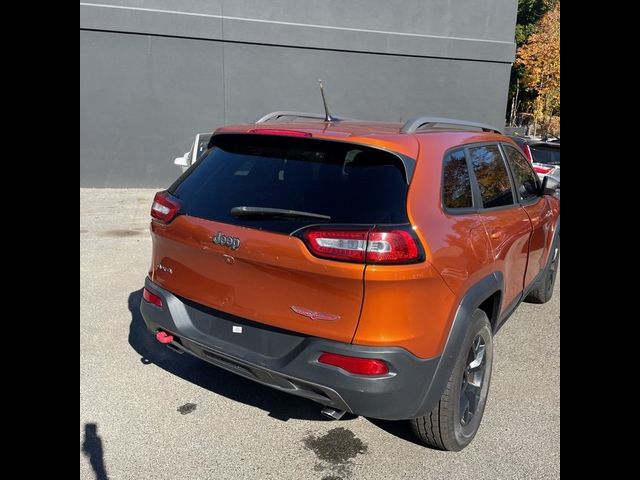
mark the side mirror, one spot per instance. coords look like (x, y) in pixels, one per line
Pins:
(182, 161)
(549, 185)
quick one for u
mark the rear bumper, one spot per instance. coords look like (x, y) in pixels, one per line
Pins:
(288, 361)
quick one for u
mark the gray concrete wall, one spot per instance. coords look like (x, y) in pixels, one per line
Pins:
(152, 76)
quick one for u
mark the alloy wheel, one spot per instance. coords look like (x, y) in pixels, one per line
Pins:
(472, 380)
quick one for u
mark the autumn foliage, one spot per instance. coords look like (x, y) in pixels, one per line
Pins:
(540, 57)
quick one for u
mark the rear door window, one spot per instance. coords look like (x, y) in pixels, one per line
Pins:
(351, 184)
(492, 176)
(545, 154)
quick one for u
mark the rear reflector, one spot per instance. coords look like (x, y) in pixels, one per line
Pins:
(152, 298)
(164, 337)
(543, 170)
(355, 365)
(164, 207)
(382, 245)
(275, 131)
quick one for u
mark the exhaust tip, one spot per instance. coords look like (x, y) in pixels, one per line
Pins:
(332, 413)
(164, 337)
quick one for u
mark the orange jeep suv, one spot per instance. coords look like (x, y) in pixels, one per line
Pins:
(362, 265)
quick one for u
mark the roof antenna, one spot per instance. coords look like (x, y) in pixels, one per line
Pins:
(327, 115)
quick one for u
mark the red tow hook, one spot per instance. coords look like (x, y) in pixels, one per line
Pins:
(164, 337)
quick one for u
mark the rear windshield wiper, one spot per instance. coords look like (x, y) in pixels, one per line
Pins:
(274, 212)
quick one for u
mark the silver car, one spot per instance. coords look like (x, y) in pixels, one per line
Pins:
(198, 147)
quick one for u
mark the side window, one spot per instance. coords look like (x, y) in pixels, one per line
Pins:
(203, 143)
(456, 186)
(526, 179)
(491, 173)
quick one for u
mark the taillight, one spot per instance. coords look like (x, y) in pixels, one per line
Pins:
(527, 153)
(393, 246)
(380, 245)
(152, 298)
(542, 170)
(356, 365)
(348, 245)
(164, 208)
(282, 132)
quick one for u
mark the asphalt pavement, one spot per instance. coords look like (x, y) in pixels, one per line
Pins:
(149, 413)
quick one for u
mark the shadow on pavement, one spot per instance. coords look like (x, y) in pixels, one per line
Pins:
(399, 428)
(279, 405)
(92, 449)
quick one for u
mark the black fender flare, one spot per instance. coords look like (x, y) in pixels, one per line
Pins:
(473, 298)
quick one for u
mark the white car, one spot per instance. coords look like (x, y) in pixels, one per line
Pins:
(544, 155)
(198, 147)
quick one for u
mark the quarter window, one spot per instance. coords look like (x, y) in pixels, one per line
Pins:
(526, 180)
(491, 174)
(456, 186)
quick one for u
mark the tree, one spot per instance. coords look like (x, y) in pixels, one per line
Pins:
(529, 13)
(540, 59)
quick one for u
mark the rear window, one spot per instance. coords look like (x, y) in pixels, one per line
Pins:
(350, 183)
(546, 155)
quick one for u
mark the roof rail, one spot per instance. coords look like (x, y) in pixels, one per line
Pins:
(277, 115)
(413, 124)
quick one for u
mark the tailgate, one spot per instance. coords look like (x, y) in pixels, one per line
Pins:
(267, 276)
(233, 247)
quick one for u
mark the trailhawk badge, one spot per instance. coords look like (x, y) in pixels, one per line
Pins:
(314, 315)
(226, 241)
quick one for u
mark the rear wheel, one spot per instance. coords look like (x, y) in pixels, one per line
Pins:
(543, 292)
(454, 421)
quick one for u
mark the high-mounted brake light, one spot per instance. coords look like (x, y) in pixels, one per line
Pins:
(543, 170)
(380, 245)
(356, 365)
(282, 132)
(164, 208)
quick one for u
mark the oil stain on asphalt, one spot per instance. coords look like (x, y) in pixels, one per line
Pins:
(336, 451)
(187, 408)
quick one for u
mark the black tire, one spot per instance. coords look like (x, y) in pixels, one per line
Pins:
(543, 291)
(454, 421)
